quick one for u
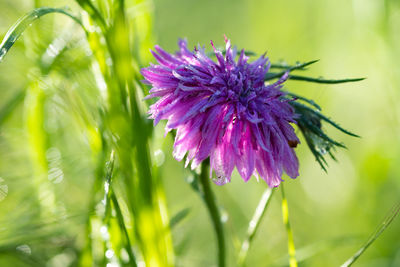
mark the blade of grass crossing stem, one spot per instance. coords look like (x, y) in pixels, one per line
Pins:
(285, 216)
(20, 26)
(255, 223)
(384, 225)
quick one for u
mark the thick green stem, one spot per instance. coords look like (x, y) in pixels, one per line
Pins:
(285, 215)
(211, 204)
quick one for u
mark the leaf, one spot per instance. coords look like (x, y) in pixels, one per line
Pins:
(323, 117)
(20, 26)
(177, 218)
(284, 65)
(320, 80)
(309, 121)
(255, 223)
(274, 75)
(308, 101)
(8, 108)
(383, 226)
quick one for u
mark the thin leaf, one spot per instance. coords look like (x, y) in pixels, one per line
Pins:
(255, 223)
(274, 75)
(320, 80)
(317, 131)
(384, 225)
(323, 117)
(308, 251)
(121, 221)
(318, 156)
(177, 218)
(8, 108)
(20, 26)
(285, 66)
(93, 13)
(309, 101)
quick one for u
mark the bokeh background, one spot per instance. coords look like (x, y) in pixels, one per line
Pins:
(331, 214)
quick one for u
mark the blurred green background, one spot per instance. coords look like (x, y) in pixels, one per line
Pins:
(331, 214)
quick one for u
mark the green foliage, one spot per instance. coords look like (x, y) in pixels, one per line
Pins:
(79, 187)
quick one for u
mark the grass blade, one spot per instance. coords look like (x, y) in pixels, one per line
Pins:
(177, 218)
(121, 221)
(255, 223)
(383, 226)
(11, 105)
(20, 26)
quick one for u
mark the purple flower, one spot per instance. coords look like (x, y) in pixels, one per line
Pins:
(224, 110)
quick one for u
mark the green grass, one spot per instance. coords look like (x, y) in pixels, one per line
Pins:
(80, 181)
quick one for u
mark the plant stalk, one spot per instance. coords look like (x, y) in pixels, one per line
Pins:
(211, 204)
(255, 223)
(285, 215)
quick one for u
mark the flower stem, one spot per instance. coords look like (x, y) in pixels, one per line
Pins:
(255, 223)
(211, 204)
(285, 215)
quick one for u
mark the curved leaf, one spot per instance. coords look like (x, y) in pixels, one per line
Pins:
(20, 26)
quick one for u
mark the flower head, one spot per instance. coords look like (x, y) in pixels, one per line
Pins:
(224, 110)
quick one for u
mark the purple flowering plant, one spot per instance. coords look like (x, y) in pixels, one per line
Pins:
(224, 109)
(235, 112)
(230, 112)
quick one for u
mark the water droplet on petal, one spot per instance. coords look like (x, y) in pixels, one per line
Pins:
(220, 179)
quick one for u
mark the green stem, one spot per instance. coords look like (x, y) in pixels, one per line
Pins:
(285, 215)
(211, 204)
(128, 246)
(255, 223)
